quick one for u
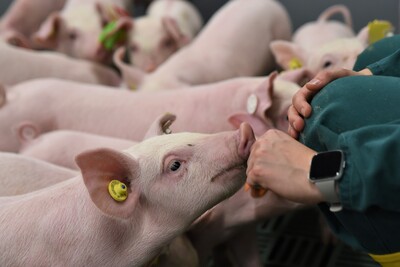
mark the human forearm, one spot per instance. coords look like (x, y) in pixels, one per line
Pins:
(371, 177)
(388, 66)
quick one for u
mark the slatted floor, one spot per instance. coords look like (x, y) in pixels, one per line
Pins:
(292, 241)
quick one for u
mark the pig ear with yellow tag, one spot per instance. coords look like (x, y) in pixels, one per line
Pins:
(109, 176)
(374, 31)
(288, 55)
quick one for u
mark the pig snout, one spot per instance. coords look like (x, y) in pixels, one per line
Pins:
(150, 67)
(246, 140)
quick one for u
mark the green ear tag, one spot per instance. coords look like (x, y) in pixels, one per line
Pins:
(109, 39)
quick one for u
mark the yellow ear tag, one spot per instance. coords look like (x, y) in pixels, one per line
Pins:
(294, 63)
(118, 190)
(379, 29)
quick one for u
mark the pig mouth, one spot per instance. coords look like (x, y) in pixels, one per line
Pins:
(225, 173)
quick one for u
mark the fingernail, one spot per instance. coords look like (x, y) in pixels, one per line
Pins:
(314, 81)
(302, 111)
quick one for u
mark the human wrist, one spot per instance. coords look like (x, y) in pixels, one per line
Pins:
(325, 171)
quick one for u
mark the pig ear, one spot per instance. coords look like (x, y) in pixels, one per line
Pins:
(103, 14)
(286, 53)
(161, 125)
(3, 96)
(108, 13)
(99, 167)
(47, 35)
(132, 76)
(259, 126)
(17, 39)
(264, 93)
(172, 28)
(27, 131)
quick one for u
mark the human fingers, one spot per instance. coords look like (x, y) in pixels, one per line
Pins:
(257, 164)
(326, 76)
(293, 133)
(296, 121)
(301, 100)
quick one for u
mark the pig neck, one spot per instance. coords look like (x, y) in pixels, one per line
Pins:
(63, 219)
(177, 72)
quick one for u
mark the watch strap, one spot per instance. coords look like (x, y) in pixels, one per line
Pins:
(328, 191)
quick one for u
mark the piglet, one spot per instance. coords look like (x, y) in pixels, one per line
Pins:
(336, 54)
(311, 36)
(24, 17)
(167, 26)
(22, 65)
(76, 29)
(235, 42)
(20, 174)
(51, 146)
(161, 187)
(53, 104)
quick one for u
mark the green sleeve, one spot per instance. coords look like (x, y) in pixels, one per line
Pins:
(376, 51)
(372, 173)
(361, 116)
(388, 66)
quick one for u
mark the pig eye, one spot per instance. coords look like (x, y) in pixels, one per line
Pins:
(175, 165)
(134, 48)
(168, 43)
(72, 35)
(327, 64)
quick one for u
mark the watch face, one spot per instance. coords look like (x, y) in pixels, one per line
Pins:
(326, 165)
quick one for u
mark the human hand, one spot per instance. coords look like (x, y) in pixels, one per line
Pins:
(281, 164)
(301, 107)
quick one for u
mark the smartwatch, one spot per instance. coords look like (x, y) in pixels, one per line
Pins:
(326, 169)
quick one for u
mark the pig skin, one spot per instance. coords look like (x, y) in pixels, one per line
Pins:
(23, 65)
(71, 231)
(120, 113)
(234, 43)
